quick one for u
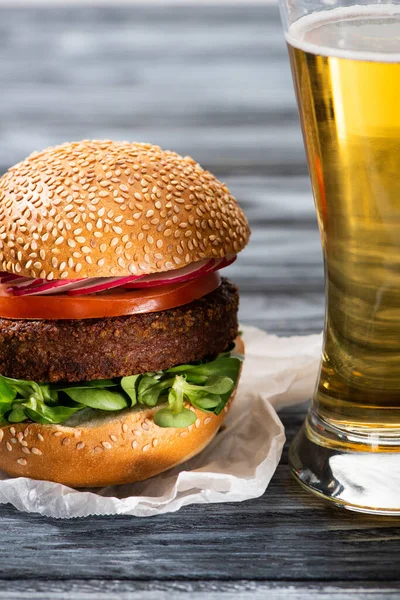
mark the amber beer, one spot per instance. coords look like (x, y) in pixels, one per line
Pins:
(346, 69)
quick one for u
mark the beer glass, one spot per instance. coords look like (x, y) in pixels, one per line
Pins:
(345, 61)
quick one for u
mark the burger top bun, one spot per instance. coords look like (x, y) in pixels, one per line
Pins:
(103, 208)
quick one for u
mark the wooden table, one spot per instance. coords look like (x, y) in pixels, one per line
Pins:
(213, 82)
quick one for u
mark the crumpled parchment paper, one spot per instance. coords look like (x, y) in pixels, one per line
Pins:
(236, 466)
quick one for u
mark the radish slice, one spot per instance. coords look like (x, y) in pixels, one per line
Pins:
(176, 276)
(185, 274)
(101, 284)
(22, 282)
(8, 277)
(45, 287)
(227, 260)
(25, 286)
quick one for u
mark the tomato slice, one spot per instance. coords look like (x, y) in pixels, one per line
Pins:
(108, 304)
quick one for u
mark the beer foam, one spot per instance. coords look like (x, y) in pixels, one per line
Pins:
(361, 32)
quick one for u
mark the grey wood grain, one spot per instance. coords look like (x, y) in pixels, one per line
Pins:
(199, 590)
(213, 82)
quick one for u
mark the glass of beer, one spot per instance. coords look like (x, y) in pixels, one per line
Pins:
(345, 61)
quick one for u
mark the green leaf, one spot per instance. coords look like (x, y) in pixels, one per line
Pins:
(39, 412)
(206, 403)
(215, 385)
(49, 396)
(165, 417)
(192, 377)
(218, 385)
(182, 369)
(5, 407)
(23, 387)
(7, 393)
(129, 384)
(51, 414)
(229, 367)
(17, 415)
(95, 383)
(101, 399)
(150, 389)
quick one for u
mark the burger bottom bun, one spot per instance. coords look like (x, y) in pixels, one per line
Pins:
(114, 449)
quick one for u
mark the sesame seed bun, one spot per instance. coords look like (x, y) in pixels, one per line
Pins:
(121, 448)
(104, 208)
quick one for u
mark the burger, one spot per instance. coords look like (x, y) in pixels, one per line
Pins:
(119, 345)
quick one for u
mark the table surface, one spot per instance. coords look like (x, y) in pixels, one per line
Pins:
(213, 82)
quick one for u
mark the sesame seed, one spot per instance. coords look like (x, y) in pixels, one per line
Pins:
(22, 461)
(106, 445)
(146, 448)
(80, 445)
(134, 444)
(74, 178)
(36, 451)
(8, 446)
(113, 438)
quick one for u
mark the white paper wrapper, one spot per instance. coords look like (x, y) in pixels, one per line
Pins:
(236, 466)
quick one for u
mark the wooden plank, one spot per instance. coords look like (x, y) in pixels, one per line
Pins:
(285, 535)
(282, 313)
(231, 104)
(200, 590)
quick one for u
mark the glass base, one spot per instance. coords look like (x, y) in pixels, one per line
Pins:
(357, 472)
